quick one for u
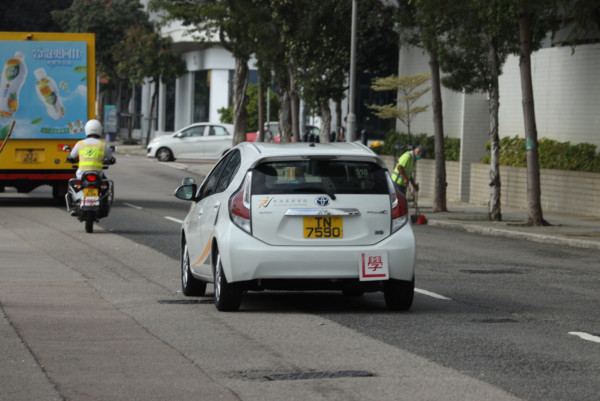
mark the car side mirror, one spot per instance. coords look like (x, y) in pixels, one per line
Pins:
(188, 181)
(186, 192)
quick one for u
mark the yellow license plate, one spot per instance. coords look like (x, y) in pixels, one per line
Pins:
(30, 155)
(90, 192)
(323, 227)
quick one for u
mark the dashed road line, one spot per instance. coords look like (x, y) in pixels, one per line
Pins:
(174, 219)
(432, 294)
(585, 336)
(133, 206)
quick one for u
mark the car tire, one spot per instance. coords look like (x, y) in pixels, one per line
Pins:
(228, 297)
(190, 286)
(164, 155)
(399, 294)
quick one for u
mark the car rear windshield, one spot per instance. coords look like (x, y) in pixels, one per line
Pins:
(310, 176)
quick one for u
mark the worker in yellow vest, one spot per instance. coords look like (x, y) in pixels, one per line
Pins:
(91, 152)
(405, 168)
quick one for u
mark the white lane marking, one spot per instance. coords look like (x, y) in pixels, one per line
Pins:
(585, 336)
(432, 294)
(177, 166)
(174, 219)
(133, 206)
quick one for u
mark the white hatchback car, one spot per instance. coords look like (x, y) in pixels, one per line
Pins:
(297, 216)
(196, 141)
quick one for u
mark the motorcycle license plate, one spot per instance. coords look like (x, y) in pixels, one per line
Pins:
(90, 197)
(324, 227)
(90, 192)
(90, 201)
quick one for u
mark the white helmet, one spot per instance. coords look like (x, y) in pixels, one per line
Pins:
(93, 127)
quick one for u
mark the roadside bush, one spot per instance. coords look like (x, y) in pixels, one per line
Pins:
(552, 154)
(398, 142)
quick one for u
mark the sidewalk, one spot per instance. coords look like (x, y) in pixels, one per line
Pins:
(566, 230)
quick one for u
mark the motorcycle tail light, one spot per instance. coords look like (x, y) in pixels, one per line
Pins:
(90, 178)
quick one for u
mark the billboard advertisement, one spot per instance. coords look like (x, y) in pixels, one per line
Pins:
(44, 89)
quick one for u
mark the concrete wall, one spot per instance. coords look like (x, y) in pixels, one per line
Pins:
(568, 192)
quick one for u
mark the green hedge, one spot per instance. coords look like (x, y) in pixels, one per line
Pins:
(392, 138)
(552, 155)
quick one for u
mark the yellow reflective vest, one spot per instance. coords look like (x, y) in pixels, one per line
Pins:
(91, 155)
(407, 161)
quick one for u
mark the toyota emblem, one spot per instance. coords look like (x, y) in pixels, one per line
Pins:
(322, 201)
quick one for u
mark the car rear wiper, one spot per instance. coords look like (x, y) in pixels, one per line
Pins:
(315, 189)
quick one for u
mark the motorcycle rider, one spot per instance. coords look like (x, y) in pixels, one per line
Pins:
(91, 152)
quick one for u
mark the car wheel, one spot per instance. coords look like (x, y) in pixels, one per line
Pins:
(164, 155)
(228, 297)
(399, 294)
(190, 286)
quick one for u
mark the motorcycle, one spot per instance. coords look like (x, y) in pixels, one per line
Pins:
(89, 198)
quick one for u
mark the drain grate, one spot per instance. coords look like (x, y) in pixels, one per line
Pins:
(498, 271)
(185, 301)
(320, 375)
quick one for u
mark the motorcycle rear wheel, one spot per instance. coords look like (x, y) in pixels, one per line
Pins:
(89, 222)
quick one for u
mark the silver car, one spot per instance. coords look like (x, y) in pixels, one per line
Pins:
(297, 216)
(196, 141)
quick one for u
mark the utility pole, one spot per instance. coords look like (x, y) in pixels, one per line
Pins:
(351, 128)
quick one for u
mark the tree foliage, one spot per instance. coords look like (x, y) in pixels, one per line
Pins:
(403, 109)
(31, 15)
(108, 21)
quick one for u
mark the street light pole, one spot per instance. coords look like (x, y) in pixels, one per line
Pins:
(351, 127)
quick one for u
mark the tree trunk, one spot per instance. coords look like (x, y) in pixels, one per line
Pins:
(240, 115)
(439, 192)
(285, 115)
(535, 217)
(325, 120)
(151, 112)
(494, 207)
(294, 102)
(338, 122)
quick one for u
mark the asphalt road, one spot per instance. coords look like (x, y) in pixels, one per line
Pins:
(493, 318)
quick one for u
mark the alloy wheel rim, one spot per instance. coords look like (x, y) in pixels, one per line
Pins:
(218, 278)
(184, 266)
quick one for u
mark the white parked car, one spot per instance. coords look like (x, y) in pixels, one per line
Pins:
(297, 216)
(196, 141)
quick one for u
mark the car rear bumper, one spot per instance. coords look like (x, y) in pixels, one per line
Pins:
(245, 258)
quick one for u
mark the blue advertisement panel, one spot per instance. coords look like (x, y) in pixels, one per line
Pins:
(44, 89)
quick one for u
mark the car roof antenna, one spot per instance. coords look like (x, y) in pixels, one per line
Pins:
(312, 145)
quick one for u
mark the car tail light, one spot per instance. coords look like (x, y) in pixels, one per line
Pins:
(239, 205)
(399, 207)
